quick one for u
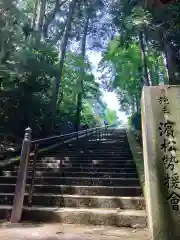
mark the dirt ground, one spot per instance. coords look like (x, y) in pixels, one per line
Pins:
(27, 231)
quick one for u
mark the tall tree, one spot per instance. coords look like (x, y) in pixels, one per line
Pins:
(72, 6)
(89, 12)
(83, 52)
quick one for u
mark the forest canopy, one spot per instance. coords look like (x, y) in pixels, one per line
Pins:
(46, 78)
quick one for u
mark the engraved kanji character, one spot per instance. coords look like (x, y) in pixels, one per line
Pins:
(169, 161)
(167, 180)
(175, 207)
(164, 146)
(163, 100)
(165, 159)
(172, 147)
(166, 128)
(168, 164)
(173, 159)
(168, 145)
(165, 110)
(175, 181)
(174, 199)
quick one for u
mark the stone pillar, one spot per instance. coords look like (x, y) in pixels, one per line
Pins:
(21, 178)
(161, 148)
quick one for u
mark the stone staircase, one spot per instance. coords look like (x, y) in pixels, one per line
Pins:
(96, 184)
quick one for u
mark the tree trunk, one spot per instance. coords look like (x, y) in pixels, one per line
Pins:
(64, 45)
(35, 14)
(170, 55)
(157, 72)
(78, 111)
(56, 102)
(41, 15)
(165, 74)
(143, 58)
(83, 52)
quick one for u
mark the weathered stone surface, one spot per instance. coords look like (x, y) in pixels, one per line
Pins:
(86, 216)
(82, 191)
(161, 141)
(78, 201)
(54, 231)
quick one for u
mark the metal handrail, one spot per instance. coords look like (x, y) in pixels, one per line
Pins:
(36, 144)
(45, 142)
(68, 134)
(24, 159)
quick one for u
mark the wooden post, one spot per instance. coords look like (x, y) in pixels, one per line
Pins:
(21, 178)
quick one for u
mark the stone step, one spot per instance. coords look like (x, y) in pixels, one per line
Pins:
(87, 147)
(124, 144)
(107, 139)
(86, 169)
(88, 155)
(78, 190)
(92, 164)
(76, 181)
(118, 150)
(110, 217)
(59, 173)
(87, 158)
(114, 141)
(78, 201)
(97, 148)
(93, 151)
(81, 161)
(94, 146)
(104, 142)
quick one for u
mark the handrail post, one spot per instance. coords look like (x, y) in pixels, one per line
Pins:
(30, 195)
(21, 178)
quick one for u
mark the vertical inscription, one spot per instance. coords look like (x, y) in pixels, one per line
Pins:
(169, 149)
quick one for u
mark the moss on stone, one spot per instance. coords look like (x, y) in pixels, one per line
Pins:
(137, 152)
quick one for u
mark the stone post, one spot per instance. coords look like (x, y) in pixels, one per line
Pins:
(160, 107)
(21, 178)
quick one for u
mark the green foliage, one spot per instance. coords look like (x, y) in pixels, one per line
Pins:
(135, 121)
(135, 40)
(111, 116)
(125, 62)
(25, 90)
(28, 72)
(88, 116)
